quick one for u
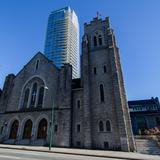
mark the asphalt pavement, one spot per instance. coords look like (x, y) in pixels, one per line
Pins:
(12, 154)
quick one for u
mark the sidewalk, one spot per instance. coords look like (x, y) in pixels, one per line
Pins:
(84, 152)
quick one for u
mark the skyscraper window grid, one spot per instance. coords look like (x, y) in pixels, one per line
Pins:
(62, 39)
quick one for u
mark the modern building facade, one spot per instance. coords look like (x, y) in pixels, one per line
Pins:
(145, 114)
(89, 112)
(62, 39)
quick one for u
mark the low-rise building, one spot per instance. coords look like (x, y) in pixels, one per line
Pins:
(145, 114)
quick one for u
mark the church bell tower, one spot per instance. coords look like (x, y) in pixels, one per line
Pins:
(106, 114)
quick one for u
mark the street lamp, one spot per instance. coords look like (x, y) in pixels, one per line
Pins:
(51, 123)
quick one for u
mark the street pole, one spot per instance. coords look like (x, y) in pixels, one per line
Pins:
(51, 126)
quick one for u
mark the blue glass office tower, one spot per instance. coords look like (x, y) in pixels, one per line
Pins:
(62, 39)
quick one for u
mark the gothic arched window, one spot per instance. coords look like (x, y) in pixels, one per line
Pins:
(95, 70)
(26, 97)
(27, 129)
(104, 69)
(108, 126)
(37, 64)
(101, 89)
(101, 127)
(95, 41)
(78, 104)
(100, 40)
(33, 95)
(40, 97)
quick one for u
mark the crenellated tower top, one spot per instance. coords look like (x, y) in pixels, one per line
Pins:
(97, 21)
(99, 33)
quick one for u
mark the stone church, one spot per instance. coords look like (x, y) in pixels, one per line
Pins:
(89, 112)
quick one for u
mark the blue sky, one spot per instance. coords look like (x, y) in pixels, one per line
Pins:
(136, 24)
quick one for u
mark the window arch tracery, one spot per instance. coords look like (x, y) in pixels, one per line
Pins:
(32, 94)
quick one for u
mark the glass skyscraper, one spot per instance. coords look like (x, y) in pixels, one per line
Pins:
(62, 39)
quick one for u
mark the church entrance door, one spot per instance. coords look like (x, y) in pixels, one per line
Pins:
(42, 129)
(27, 129)
(14, 130)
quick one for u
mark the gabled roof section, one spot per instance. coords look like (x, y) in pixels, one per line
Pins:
(38, 56)
(43, 56)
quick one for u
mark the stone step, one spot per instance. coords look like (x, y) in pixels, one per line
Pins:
(147, 146)
(146, 149)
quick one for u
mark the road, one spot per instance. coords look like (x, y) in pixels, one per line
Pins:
(12, 154)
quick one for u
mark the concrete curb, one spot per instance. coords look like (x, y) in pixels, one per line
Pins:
(69, 153)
